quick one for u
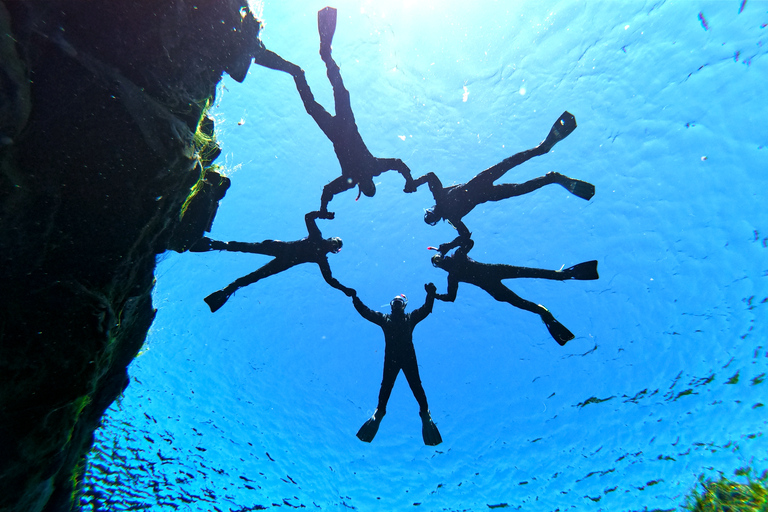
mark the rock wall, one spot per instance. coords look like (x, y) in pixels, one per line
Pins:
(100, 171)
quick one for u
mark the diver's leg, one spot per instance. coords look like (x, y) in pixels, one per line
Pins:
(340, 93)
(507, 190)
(578, 188)
(429, 431)
(411, 371)
(560, 130)
(558, 331)
(217, 299)
(266, 247)
(586, 271)
(391, 369)
(369, 429)
(485, 179)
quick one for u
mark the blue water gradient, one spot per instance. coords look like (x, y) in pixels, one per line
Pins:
(257, 405)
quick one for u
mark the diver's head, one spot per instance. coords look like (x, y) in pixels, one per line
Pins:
(430, 216)
(367, 187)
(398, 303)
(438, 260)
(334, 244)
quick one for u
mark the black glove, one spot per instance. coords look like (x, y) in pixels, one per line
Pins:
(202, 245)
(431, 288)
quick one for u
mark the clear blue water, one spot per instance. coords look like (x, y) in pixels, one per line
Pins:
(257, 405)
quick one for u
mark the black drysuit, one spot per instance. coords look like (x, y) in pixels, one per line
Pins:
(399, 353)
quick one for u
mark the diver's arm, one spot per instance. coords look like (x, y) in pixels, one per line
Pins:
(366, 312)
(325, 269)
(447, 246)
(312, 229)
(462, 240)
(435, 185)
(464, 233)
(453, 288)
(420, 314)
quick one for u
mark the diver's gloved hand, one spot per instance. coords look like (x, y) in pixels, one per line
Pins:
(431, 288)
(202, 245)
(410, 187)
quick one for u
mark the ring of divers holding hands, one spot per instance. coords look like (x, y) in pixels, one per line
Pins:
(358, 168)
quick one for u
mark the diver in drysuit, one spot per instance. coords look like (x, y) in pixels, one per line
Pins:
(312, 249)
(454, 202)
(462, 268)
(399, 354)
(358, 165)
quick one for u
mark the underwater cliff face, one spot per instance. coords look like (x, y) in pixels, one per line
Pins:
(103, 138)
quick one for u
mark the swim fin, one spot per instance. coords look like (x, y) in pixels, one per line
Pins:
(562, 128)
(580, 188)
(429, 431)
(216, 300)
(586, 271)
(326, 26)
(368, 431)
(558, 331)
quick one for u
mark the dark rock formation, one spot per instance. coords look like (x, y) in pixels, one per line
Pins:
(105, 162)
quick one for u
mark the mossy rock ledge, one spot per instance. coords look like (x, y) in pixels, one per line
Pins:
(99, 106)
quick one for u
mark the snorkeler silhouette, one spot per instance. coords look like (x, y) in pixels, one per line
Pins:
(312, 249)
(358, 165)
(399, 354)
(462, 268)
(454, 202)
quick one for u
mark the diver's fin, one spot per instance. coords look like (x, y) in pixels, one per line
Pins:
(558, 331)
(562, 128)
(326, 26)
(216, 300)
(368, 431)
(586, 271)
(429, 431)
(580, 188)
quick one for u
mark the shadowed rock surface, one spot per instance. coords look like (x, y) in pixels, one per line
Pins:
(105, 162)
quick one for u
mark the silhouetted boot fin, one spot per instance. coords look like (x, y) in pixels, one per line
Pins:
(368, 431)
(429, 431)
(326, 26)
(586, 271)
(562, 128)
(216, 300)
(580, 188)
(558, 331)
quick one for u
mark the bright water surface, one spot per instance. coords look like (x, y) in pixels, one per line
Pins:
(257, 405)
